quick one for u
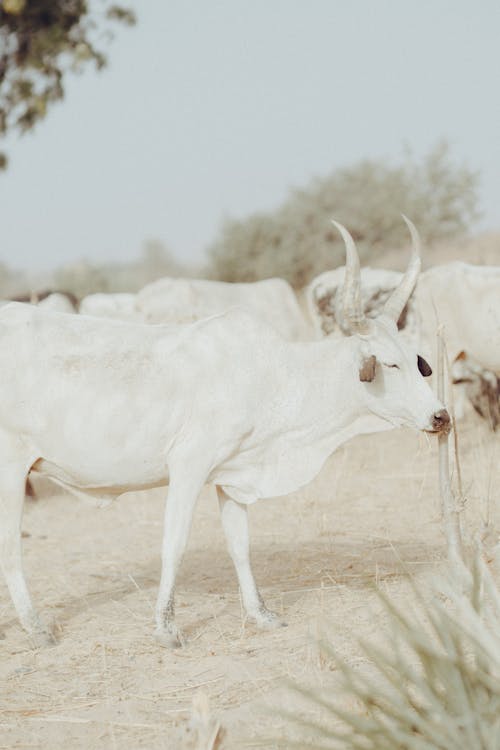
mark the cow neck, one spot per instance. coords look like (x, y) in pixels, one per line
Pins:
(326, 372)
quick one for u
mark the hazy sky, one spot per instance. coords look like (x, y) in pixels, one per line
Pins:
(211, 109)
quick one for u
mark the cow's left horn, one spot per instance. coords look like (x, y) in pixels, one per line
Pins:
(353, 319)
(400, 296)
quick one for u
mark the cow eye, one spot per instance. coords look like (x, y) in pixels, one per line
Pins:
(424, 367)
(396, 366)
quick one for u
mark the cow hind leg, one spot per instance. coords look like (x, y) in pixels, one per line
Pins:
(12, 492)
(235, 524)
(182, 495)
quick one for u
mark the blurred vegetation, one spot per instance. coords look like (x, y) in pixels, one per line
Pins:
(297, 241)
(86, 278)
(40, 42)
(83, 277)
(434, 684)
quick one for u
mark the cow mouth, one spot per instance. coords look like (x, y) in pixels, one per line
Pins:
(440, 423)
(444, 430)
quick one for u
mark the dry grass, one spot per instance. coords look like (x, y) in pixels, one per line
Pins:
(436, 681)
(371, 516)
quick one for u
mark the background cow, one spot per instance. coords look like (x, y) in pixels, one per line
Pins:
(185, 300)
(463, 298)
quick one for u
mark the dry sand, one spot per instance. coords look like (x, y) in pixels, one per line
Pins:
(371, 516)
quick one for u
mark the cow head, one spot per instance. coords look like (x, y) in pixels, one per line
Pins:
(390, 371)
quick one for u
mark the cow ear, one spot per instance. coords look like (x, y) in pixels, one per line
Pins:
(367, 369)
(424, 367)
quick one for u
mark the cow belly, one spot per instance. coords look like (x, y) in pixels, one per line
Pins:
(113, 483)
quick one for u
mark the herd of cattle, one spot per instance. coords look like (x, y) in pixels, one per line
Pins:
(235, 385)
(462, 298)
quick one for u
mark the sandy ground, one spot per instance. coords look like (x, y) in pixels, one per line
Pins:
(371, 516)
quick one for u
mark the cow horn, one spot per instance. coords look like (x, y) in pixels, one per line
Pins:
(353, 319)
(400, 296)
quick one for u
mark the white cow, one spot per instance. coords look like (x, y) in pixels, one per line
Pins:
(186, 300)
(324, 306)
(113, 406)
(119, 306)
(463, 298)
(480, 386)
(57, 301)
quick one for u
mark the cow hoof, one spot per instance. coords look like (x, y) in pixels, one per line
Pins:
(268, 620)
(43, 639)
(170, 637)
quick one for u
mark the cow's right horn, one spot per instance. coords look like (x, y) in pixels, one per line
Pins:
(400, 296)
(353, 319)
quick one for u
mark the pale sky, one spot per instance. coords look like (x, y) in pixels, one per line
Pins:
(215, 108)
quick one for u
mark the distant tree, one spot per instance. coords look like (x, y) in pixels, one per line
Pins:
(157, 261)
(84, 278)
(40, 41)
(81, 278)
(5, 277)
(297, 241)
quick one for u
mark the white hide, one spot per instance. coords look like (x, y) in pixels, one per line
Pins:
(185, 300)
(58, 302)
(465, 299)
(113, 406)
(323, 299)
(119, 306)
(462, 297)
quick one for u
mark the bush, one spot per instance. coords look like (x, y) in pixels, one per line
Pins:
(84, 278)
(297, 242)
(436, 684)
(81, 279)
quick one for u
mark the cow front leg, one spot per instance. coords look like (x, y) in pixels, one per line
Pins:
(12, 490)
(235, 523)
(181, 499)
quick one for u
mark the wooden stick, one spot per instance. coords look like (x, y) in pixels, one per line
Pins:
(451, 516)
(451, 409)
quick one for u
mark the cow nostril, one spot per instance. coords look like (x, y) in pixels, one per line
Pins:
(441, 420)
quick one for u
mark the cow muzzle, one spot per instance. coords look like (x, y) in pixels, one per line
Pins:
(440, 422)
